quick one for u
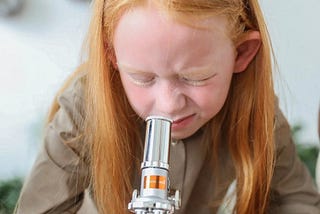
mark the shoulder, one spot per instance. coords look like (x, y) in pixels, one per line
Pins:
(71, 98)
(67, 123)
(74, 89)
(293, 189)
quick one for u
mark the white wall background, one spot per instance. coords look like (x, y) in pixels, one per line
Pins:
(38, 49)
(40, 46)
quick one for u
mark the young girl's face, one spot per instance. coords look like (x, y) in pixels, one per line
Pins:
(174, 70)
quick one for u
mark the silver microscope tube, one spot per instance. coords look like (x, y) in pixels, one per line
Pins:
(157, 142)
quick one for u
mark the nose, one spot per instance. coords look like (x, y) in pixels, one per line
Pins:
(170, 98)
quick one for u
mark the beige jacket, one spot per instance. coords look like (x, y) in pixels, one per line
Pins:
(57, 182)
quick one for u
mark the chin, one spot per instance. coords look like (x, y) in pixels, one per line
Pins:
(181, 135)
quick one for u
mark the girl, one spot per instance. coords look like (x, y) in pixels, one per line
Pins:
(205, 64)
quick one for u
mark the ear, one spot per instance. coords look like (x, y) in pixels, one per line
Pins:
(246, 48)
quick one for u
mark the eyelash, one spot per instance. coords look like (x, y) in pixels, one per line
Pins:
(188, 81)
(194, 82)
(142, 82)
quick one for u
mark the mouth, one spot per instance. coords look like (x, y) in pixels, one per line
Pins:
(182, 122)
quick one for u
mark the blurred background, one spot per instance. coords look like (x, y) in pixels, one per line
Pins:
(40, 45)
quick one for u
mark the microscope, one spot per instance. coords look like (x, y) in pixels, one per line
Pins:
(155, 184)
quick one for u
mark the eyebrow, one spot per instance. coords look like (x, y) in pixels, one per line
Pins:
(132, 70)
(193, 71)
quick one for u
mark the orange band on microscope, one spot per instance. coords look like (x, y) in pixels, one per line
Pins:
(154, 182)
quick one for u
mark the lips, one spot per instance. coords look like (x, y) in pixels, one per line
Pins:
(182, 122)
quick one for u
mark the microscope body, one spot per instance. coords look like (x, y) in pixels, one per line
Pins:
(155, 184)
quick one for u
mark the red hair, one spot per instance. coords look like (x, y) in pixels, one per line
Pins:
(111, 126)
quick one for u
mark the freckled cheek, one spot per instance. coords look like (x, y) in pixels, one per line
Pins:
(133, 93)
(139, 98)
(210, 101)
(206, 102)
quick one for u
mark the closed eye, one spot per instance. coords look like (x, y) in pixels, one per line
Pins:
(197, 81)
(141, 79)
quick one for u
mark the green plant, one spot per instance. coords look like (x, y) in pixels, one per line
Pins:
(308, 155)
(308, 152)
(9, 194)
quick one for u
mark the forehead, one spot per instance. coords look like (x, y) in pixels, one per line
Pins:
(148, 21)
(146, 33)
(153, 17)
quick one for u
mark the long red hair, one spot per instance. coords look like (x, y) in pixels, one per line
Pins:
(247, 118)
